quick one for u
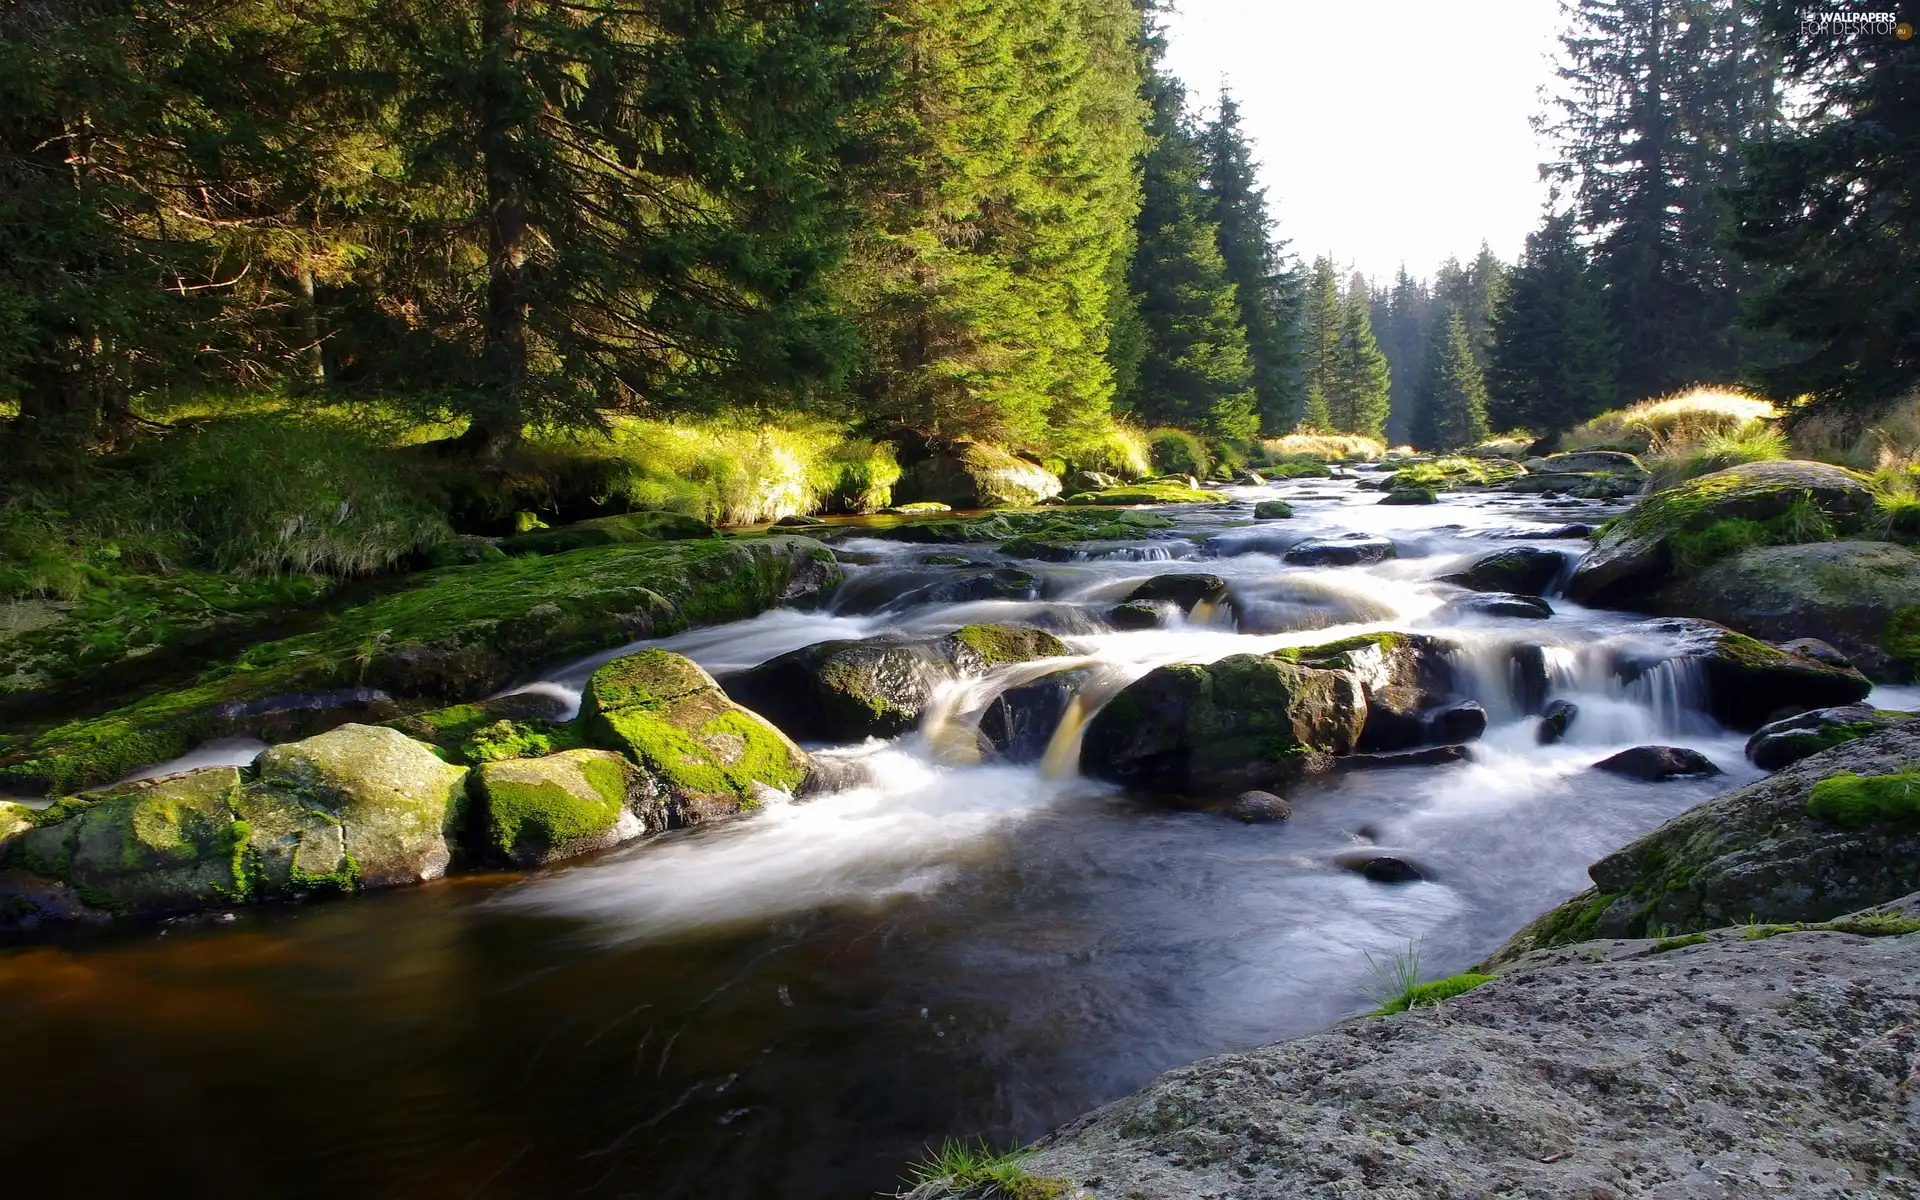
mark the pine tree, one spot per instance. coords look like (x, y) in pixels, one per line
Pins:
(1404, 343)
(1552, 360)
(1454, 399)
(1196, 372)
(1829, 212)
(1323, 321)
(1267, 290)
(1358, 402)
(1657, 98)
(1486, 285)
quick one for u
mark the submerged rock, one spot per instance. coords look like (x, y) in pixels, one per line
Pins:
(846, 691)
(1350, 551)
(542, 810)
(1425, 756)
(1862, 598)
(1259, 808)
(1634, 557)
(1788, 741)
(1461, 721)
(1760, 853)
(1555, 719)
(1654, 763)
(1521, 570)
(712, 758)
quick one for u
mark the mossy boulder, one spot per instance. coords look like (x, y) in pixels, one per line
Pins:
(453, 634)
(847, 691)
(1272, 510)
(542, 810)
(611, 531)
(518, 725)
(14, 818)
(1863, 598)
(712, 757)
(1411, 495)
(1349, 550)
(1152, 492)
(157, 846)
(976, 475)
(1406, 679)
(1585, 462)
(1056, 525)
(1184, 590)
(1521, 570)
(1777, 502)
(397, 807)
(1785, 742)
(1749, 683)
(1767, 852)
(1212, 730)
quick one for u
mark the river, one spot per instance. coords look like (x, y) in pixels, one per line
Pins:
(797, 1004)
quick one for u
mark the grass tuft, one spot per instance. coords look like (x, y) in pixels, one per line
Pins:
(1676, 460)
(1177, 452)
(1325, 447)
(973, 1167)
(1673, 422)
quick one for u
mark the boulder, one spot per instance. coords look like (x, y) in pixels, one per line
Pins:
(712, 757)
(1788, 741)
(1818, 651)
(1635, 555)
(835, 773)
(1349, 551)
(1403, 677)
(1088, 481)
(1020, 722)
(1259, 808)
(799, 521)
(517, 725)
(1757, 854)
(1380, 868)
(1139, 614)
(1750, 683)
(1587, 461)
(1001, 583)
(1555, 719)
(542, 810)
(1461, 721)
(611, 531)
(1654, 763)
(1252, 479)
(1411, 495)
(1590, 485)
(1522, 570)
(1498, 604)
(1424, 756)
(1246, 721)
(846, 691)
(1862, 598)
(1183, 590)
(1272, 510)
(976, 475)
(362, 807)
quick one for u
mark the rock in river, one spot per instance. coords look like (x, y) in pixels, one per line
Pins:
(1348, 551)
(542, 810)
(1185, 590)
(1259, 808)
(1555, 719)
(1657, 762)
(1749, 682)
(1522, 570)
(1790, 740)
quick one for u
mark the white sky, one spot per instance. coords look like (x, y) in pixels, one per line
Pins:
(1387, 130)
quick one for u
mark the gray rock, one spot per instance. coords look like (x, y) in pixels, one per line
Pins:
(1582, 461)
(1818, 651)
(1381, 868)
(1184, 590)
(1654, 763)
(1522, 570)
(1259, 808)
(1499, 604)
(1735, 1068)
(1350, 551)
(1797, 737)
(1555, 719)
(1425, 756)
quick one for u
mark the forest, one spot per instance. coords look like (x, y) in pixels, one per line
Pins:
(299, 292)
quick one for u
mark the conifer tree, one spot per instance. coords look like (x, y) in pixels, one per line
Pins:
(1322, 324)
(1404, 342)
(1454, 398)
(1195, 372)
(1267, 290)
(1552, 360)
(1358, 401)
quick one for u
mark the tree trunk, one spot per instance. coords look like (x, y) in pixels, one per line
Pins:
(312, 360)
(495, 429)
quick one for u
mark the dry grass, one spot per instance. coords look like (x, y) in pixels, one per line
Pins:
(1329, 447)
(1887, 439)
(1515, 446)
(1677, 462)
(1672, 423)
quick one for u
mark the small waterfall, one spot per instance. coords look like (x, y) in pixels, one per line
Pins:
(1062, 757)
(1674, 693)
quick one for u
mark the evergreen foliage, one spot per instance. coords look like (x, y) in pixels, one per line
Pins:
(1267, 288)
(1832, 210)
(1552, 358)
(1196, 371)
(1321, 325)
(1358, 401)
(1453, 407)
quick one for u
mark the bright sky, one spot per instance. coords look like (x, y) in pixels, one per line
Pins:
(1388, 131)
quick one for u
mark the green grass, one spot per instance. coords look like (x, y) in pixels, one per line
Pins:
(1177, 452)
(1715, 451)
(974, 1168)
(1802, 522)
(1395, 985)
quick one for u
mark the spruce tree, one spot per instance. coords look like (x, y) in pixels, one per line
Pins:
(1552, 360)
(1196, 372)
(1454, 399)
(1358, 402)
(1268, 291)
(1322, 323)
(1404, 342)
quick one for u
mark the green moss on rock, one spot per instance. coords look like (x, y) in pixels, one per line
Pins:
(546, 809)
(1855, 800)
(981, 646)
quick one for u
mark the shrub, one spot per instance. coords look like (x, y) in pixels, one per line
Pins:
(1326, 447)
(1886, 438)
(1117, 449)
(1673, 422)
(1177, 452)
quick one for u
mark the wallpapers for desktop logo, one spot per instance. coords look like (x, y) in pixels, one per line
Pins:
(1830, 22)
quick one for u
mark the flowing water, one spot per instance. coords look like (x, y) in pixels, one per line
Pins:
(796, 1004)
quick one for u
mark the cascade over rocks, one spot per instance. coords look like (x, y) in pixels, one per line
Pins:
(1755, 854)
(847, 691)
(1862, 598)
(712, 757)
(1020, 722)
(1788, 741)
(1750, 683)
(1634, 556)
(1555, 719)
